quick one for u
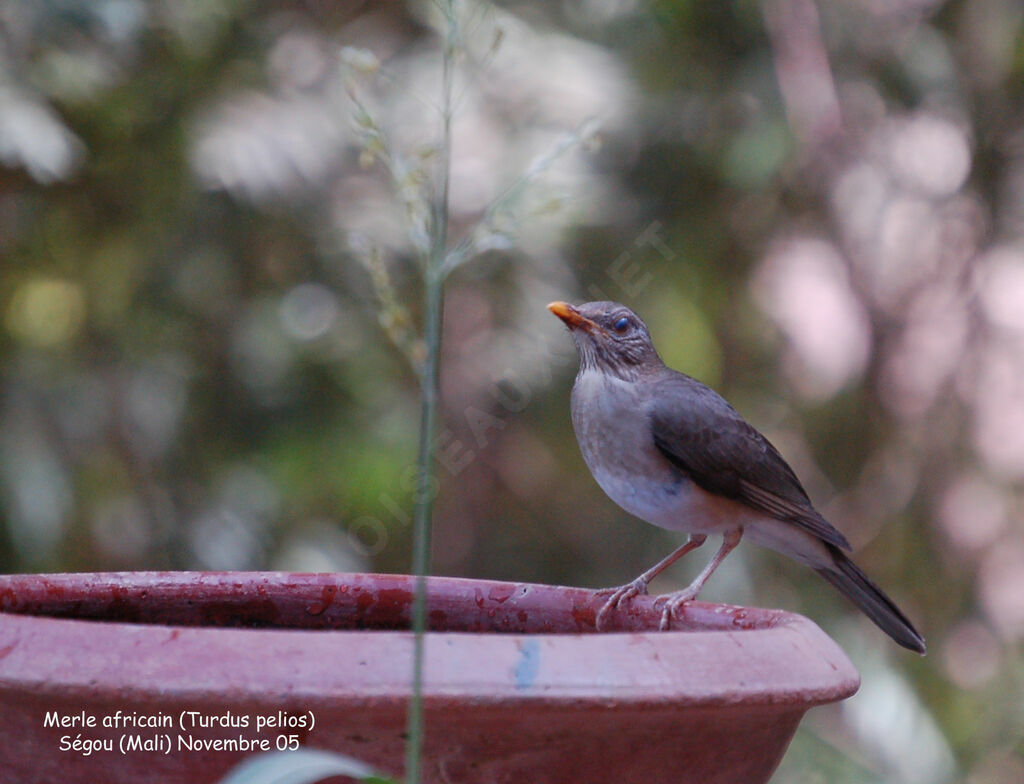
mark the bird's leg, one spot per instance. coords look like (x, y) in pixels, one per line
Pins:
(674, 600)
(619, 596)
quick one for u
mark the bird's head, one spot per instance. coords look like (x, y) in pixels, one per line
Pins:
(609, 337)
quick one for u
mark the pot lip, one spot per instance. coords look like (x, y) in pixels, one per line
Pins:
(123, 596)
(771, 657)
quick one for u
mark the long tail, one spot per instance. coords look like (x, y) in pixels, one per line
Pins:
(852, 582)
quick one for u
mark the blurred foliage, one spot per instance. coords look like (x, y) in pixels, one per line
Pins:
(818, 208)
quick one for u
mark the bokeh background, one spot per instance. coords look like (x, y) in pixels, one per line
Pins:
(210, 218)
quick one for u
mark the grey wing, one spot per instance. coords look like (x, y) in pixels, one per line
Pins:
(724, 454)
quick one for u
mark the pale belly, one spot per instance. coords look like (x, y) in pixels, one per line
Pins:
(686, 507)
(618, 449)
(678, 504)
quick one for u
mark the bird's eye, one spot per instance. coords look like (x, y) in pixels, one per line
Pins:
(621, 324)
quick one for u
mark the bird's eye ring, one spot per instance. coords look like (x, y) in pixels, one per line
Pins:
(621, 324)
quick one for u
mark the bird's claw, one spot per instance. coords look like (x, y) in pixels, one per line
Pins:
(617, 597)
(672, 601)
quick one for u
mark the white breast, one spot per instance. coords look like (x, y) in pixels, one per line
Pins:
(618, 449)
(617, 446)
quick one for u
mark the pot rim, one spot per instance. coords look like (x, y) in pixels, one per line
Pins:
(545, 650)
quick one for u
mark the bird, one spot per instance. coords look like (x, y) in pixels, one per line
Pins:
(670, 450)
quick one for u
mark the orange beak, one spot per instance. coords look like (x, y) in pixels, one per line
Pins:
(573, 318)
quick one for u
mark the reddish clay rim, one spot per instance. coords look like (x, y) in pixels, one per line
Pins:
(365, 602)
(166, 633)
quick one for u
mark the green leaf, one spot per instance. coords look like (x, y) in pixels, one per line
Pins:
(304, 766)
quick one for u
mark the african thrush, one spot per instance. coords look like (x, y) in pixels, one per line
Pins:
(673, 452)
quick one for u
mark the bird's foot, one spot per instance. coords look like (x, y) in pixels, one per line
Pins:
(672, 602)
(618, 597)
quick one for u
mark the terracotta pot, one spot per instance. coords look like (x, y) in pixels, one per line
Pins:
(518, 687)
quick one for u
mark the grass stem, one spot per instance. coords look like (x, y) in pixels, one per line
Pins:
(430, 395)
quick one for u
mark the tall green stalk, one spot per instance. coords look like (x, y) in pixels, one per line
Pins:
(430, 397)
